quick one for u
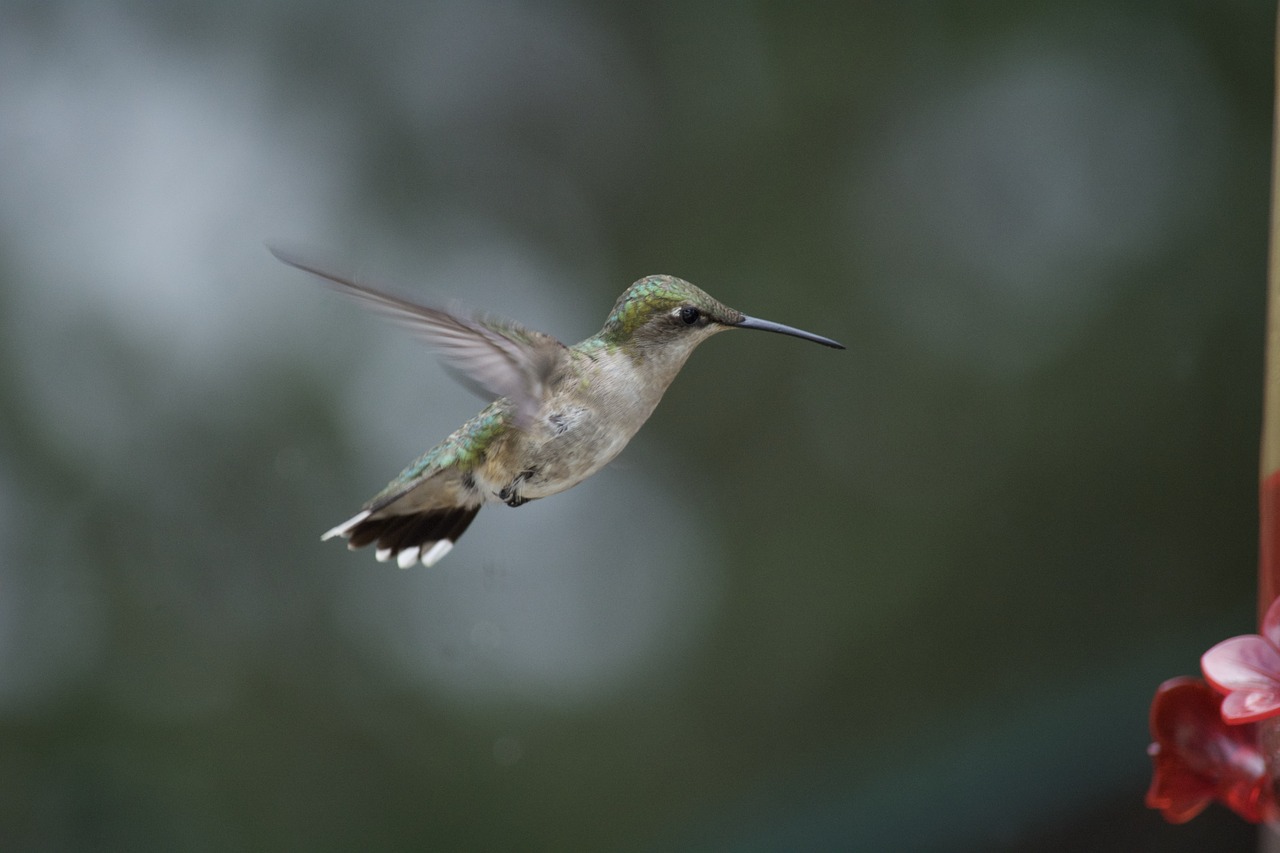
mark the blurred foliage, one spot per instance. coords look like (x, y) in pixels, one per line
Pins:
(915, 596)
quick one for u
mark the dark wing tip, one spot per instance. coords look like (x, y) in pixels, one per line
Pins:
(296, 260)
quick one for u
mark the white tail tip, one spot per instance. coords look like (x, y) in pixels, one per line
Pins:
(345, 527)
(407, 557)
(382, 554)
(436, 553)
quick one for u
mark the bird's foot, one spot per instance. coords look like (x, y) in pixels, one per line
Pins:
(509, 495)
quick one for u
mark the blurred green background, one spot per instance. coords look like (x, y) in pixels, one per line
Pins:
(913, 596)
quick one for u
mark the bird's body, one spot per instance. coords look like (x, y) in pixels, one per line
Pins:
(561, 414)
(588, 417)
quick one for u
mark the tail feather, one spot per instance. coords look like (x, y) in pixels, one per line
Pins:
(422, 533)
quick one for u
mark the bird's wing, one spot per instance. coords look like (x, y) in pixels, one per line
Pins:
(499, 356)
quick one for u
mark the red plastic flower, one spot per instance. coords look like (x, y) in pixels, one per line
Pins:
(1199, 758)
(1247, 671)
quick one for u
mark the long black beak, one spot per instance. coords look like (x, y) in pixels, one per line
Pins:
(769, 326)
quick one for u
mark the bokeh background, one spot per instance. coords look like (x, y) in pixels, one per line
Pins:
(913, 596)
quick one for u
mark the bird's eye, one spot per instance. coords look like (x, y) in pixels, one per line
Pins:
(689, 315)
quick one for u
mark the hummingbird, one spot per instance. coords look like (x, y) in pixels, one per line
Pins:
(559, 413)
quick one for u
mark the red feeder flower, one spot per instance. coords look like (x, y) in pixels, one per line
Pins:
(1199, 758)
(1247, 671)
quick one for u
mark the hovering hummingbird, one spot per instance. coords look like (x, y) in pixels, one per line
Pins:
(561, 414)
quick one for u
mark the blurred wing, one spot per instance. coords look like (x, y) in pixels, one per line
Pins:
(499, 356)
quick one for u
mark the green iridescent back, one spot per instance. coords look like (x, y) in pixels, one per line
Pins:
(465, 449)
